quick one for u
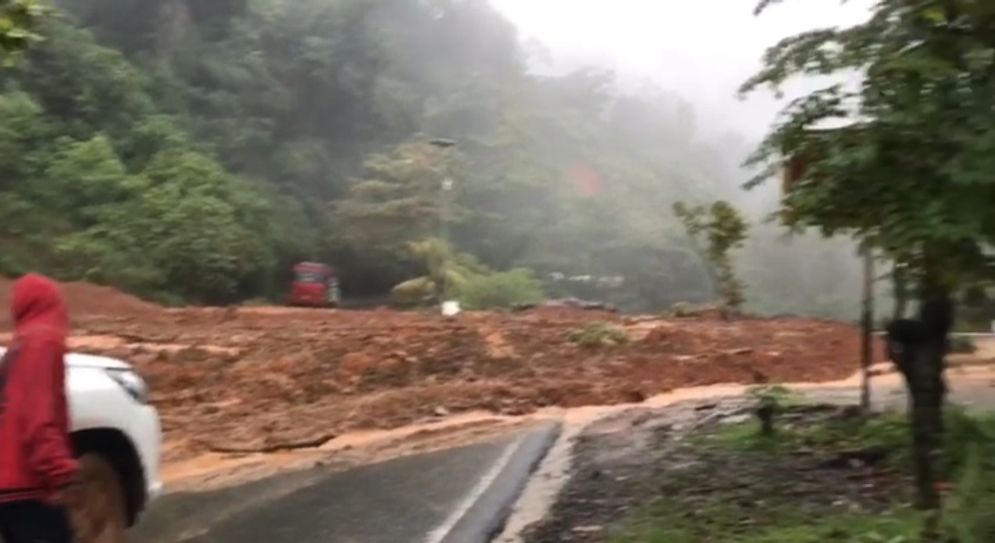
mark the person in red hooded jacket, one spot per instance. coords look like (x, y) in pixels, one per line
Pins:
(37, 467)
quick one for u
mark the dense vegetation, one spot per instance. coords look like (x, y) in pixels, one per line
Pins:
(192, 150)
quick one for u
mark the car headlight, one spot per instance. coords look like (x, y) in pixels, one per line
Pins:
(132, 383)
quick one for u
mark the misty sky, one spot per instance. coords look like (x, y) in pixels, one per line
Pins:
(702, 49)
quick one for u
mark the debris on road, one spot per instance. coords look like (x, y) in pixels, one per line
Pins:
(275, 378)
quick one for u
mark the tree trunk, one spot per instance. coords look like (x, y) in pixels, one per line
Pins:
(918, 348)
(927, 421)
(900, 293)
(867, 336)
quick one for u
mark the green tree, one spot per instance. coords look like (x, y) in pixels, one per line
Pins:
(720, 228)
(183, 227)
(206, 227)
(24, 132)
(18, 19)
(397, 201)
(911, 172)
(83, 178)
(85, 87)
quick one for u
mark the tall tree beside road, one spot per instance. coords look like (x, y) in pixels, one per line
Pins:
(18, 19)
(394, 203)
(909, 170)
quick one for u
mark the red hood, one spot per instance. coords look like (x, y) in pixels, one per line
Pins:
(38, 305)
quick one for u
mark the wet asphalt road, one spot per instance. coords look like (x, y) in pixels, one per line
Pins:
(409, 500)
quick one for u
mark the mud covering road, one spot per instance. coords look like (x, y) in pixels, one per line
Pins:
(271, 379)
(454, 496)
(266, 379)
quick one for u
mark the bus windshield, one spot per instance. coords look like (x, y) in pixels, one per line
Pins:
(310, 276)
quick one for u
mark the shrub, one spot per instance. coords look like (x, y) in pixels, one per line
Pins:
(681, 310)
(774, 394)
(12, 266)
(414, 291)
(501, 290)
(770, 400)
(600, 334)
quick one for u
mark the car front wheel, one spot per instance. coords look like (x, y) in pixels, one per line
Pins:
(100, 511)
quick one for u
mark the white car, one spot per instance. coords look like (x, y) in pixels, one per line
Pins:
(117, 437)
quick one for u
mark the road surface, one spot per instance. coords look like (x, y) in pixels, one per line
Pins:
(442, 497)
(453, 496)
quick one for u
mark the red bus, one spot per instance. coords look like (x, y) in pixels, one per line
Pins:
(314, 285)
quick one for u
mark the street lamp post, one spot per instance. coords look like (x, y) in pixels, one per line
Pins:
(444, 211)
(449, 307)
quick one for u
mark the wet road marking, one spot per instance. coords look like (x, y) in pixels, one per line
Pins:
(439, 534)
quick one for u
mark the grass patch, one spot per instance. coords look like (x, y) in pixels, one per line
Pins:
(785, 488)
(732, 524)
(886, 432)
(832, 434)
(746, 436)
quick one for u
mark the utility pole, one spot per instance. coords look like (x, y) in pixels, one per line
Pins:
(449, 307)
(867, 328)
(444, 212)
(445, 208)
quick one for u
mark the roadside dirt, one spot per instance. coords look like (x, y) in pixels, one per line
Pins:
(624, 464)
(972, 386)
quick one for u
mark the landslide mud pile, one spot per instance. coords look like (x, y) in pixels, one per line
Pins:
(83, 299)
(263, 379)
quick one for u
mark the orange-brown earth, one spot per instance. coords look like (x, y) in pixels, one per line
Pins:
(267, 379)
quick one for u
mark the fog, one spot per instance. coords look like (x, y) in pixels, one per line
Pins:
(701, 49)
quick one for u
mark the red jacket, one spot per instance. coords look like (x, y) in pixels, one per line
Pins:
(36, 456)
